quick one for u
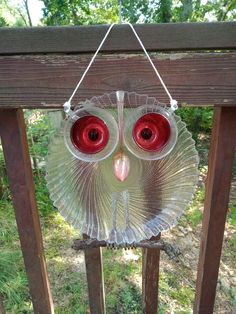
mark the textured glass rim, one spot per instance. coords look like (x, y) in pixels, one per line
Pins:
(109, 121)
(134, 148)
(162, 222)
(151, 228)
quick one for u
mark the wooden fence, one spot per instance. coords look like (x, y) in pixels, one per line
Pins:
(39, 67)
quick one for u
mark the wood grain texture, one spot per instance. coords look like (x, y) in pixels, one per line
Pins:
(150, 279)
(15, 148)
(155, 37)
(219, 177)
(48, 81)
(94, 272)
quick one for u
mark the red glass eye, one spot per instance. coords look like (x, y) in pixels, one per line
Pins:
(151, 132)
(89, 134)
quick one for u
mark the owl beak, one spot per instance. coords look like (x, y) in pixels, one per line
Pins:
(121, 166)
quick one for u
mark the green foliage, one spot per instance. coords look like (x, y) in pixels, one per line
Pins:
(81, 12)
(163, 11)
(233, 243)
(42, 195)
(171, 284)
(184, 295)
(223, 9)
(38, 132)
(8, 230)
(3, 22)
(67, 273)
(194, 217)
(4, 192)
(78, 12)
(13, 282)
(198, 120)
(129, 300)
(66, 12)
(232, 216)
(124, 296)
(13, 13)
(193, 214)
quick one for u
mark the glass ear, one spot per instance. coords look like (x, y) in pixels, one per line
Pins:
(91, 134)
(150, 132)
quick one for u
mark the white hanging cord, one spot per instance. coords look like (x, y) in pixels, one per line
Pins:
(173, 102)
(67, 104)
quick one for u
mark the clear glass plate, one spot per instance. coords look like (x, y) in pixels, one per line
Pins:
(150, 200)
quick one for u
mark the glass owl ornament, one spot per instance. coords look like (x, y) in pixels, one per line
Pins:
(122, 168)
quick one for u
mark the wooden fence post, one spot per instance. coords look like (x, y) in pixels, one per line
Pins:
(94, 272)
(221, 157)
(15, 148)
(150, 279)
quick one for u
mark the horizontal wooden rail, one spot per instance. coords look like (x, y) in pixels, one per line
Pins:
(47, 81)
(156, 37)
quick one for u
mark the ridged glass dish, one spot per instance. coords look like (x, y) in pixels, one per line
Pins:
(149, 201)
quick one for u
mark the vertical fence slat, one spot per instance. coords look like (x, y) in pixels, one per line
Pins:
(16, 153)
(215, 208)
(150, 279)
(95, 281)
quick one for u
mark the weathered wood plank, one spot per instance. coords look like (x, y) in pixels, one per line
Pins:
(94, 272)
(156, 37)
(48, 81)
(15, 148)
(150, 279)
(221, 157)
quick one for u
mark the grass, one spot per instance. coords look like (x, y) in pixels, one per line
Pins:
(233, 241)
(123, 296)
(67, 271)
(13, 282)
(232, 223)
(194, 213)
(122, 269)
(179, 294)
(232, 216)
